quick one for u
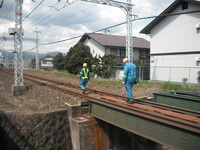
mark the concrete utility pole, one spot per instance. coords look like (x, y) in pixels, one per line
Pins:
(36, 55)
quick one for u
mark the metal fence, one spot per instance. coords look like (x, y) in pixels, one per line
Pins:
(166, 74)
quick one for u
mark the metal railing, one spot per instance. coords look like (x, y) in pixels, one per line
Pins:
(165, 73)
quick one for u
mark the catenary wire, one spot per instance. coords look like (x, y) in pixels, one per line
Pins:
(33, 10)
(40, 17)
(150, 17)
(122, 24)
(8, 12)
(71, 17)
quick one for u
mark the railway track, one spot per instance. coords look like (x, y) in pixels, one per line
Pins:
(138, 100)
(183, 118)
(45, 82)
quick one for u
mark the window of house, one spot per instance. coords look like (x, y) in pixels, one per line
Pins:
(113, 51)
(122, 53)
(143, 54)
(184, 5)
(198, 63)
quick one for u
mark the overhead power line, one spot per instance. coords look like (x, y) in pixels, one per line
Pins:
(8, 12)
(50, 7)
(33, 10)
(150, 17)
(119, 25)
(68, 19)
(41, 16)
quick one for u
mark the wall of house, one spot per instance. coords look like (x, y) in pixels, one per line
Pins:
(96, 48)
(174, 68)
(176, 34)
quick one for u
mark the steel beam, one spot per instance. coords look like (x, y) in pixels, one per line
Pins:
(166, 134)
(178, 99)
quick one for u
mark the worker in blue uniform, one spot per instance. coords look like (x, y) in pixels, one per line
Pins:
(85, 77)
(129, 78)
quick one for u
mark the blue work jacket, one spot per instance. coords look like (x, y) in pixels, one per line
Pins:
(130, 72)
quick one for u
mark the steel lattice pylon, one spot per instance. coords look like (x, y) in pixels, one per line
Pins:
(18, 58)
(128, 10)
(129, 41)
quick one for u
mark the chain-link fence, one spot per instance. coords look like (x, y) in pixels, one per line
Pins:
(166, 74)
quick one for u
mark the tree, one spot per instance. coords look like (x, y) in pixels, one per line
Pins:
(58, 61)
(76, 56)
(138, 62)
(104, 66)
(33, 63)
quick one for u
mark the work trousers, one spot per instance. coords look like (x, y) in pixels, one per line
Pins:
(129, 87)
(83, 83)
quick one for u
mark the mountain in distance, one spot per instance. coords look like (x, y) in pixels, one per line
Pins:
(28, 55)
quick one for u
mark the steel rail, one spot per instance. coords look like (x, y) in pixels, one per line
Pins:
(140, 101)
(190, 126)
(132, 110)
(159, 105)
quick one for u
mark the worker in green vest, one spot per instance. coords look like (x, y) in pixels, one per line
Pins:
(85, 77)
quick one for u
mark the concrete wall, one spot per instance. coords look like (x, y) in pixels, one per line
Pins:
(65, 129)
(38, 131)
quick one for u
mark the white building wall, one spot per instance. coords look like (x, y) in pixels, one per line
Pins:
(174, 68)
(176, 34)
(96, 48)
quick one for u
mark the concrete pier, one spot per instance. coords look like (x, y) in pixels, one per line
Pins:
(18, 90)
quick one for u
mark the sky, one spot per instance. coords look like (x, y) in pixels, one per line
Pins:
(57, 20)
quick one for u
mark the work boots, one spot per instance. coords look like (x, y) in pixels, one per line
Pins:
(130, 101)
(84, 90)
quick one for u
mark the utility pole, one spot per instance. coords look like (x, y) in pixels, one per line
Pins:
(106, 30)
(6, 61)
(129, 39)
(18, 44)
(18, 88)
(36, 56)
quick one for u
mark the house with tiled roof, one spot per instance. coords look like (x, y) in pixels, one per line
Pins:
(175, 42)
(101, 44)
(46, 63)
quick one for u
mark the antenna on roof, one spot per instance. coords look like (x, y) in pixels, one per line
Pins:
(106, 30)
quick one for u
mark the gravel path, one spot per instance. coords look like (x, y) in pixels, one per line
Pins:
(39, 97)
